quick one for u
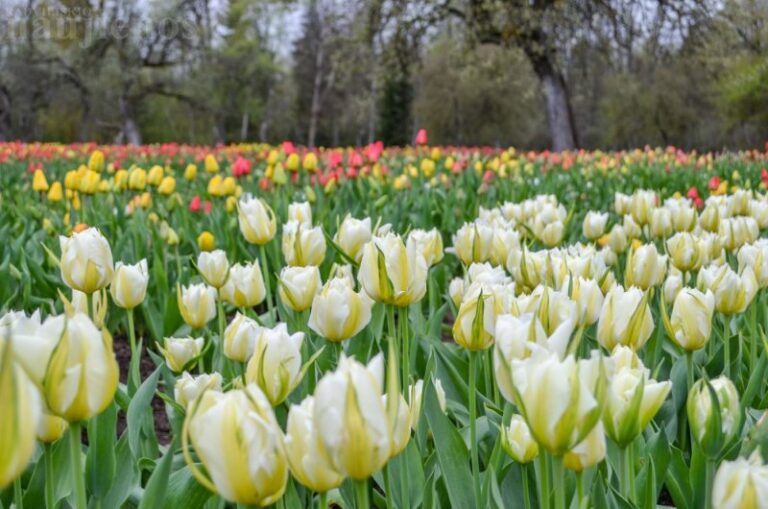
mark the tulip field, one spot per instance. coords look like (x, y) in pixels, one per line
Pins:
(416, 327)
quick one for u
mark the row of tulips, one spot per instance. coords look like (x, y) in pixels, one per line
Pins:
(612, 357)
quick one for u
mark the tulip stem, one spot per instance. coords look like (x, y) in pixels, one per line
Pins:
(50, 479)
(689, 368)
(267, 280)
(388, 486)
(627, 483)
(473, 426)
(558, 474)
(580, 488)
(134, 378)
(727, 345)
(178, 263)
(753, 334)
(406, 352)
(89, 305)
(361, 494)
(543, 480)
(323, 500)
(18, 495)
(526, 491)
(709, 470)
(222, 318)
(76, 457)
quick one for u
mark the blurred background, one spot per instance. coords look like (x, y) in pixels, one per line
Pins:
(528, 73)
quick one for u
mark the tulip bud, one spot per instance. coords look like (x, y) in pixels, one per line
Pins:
(292, 162)
(167, 186)
(755, 256)
(625, 319)
(214, 267)
(55, 194)
(473, 242)
(617, 239)
(182, 353)
(211, 164)
(710, 218)
(633, 397)
(155, 175)
(188, 388)
(415, 396)
(228, 186)
(301, 213)
(82, 374)
(303, 245)
(475, 324)
(33, 340)
(275, 365)
(97, 312)
(257, 220)
(589, 299)
(197, 304)
(129, 284)
(517, 442)
(559, 399)
(686, 252)
(304, 449)
(505, 240)
(400, 421)
(672, 285)
(738, 203)
(737, 231)
(621, 203)
(338, 312)
(713, 431)
(96, 161)
(683, 216)
(691, 320)
(297, 286)
(238, 441)
(641, 205)
(741, 484)
(245, 286)
(50, 428)
(206, 241)
(588, 452)
(39, 182)
(21, 410)
(594, 224)
(352, 235)
(343, 272)
(86, 261)
(310, 161)
(645, 267)
(216, 186)
(733, 292)
(427, 242)
(137, 179)
(240, 338)
(392, 273)
(350, 399)
(552, 234)
(456, 291)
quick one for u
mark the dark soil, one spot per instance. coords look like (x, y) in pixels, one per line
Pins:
(146, 368)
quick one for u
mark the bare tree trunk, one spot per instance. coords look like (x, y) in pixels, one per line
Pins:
(244, 126)
(314, 112)
(558, 106)
(219, 131)
(130, 131)
(5, 114)
(85, 118)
